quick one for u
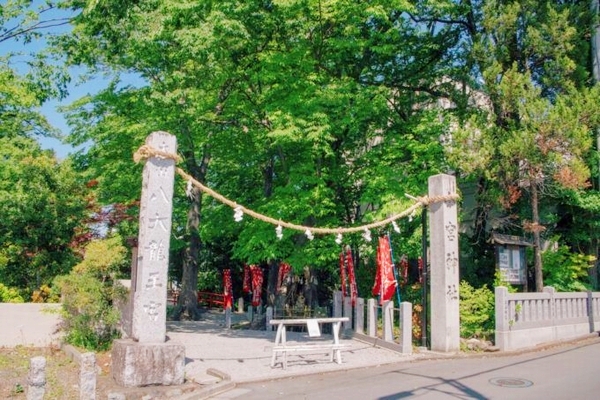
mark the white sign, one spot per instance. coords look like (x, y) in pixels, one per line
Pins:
(313, 328)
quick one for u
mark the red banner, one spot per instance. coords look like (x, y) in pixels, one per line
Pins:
(284, 269)
(385, 282)
(227, 289)
(246, 283)
(257, 281)
(351, 277)
(404, 269)
(343, 274)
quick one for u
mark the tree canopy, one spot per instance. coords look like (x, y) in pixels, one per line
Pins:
(326, 112)
(42, 203)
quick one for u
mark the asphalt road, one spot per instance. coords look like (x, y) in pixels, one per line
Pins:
(567, 371)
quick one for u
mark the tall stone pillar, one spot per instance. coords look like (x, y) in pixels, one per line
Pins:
(443, 228)
(146, 359)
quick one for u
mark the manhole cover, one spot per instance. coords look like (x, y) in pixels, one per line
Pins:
(511, 382)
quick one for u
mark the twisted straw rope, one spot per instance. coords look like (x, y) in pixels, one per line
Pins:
(146, 152)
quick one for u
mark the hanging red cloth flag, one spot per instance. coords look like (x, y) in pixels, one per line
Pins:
(376, 291)
(404, 269)
(257, 281)
(420, 265)
(385, 280)
(343, 274)
(227, 289)
(351, 277)
(246, 283)
(284, 269)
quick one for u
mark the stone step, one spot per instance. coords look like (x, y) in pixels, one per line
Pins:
(206, 379)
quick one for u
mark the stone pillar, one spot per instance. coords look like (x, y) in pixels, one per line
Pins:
(372, 317)
(269, 318)
(240, 305)
(388, 320)
(147, 359)
(156, 208)
(406, 327)
(337, 304)
(228, 318)
(36, 380)
(553, 311)
(348, 312)
(590, 310)
(359, 316)
(87, 377)
(251, 313)
(443, 228)
(502, 333)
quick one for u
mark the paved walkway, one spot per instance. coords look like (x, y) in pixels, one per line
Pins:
(218, 358)
(245, 355)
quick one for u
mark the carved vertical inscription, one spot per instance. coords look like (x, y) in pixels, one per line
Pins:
(444, 231)
(149, 308)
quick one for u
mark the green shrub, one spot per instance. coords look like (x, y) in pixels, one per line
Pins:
(90, 319)
(10, 295)
(500, 281)
(477, 308)
(45, 294)
(566, 271)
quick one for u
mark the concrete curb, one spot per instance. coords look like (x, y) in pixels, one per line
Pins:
(212, 390)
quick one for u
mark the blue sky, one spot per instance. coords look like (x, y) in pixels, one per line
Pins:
(49, 109)
(76, 89)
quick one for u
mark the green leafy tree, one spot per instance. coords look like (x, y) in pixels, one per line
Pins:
(43, 204)
(278, 105)
(529, 137)
(566, 271)
(29, 78)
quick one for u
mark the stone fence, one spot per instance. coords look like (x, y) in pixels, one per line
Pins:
(529, 319)
(29, 324)
(363, 317)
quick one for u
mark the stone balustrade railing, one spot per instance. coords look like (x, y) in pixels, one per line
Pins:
(530, 319)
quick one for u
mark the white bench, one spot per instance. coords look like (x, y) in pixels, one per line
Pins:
(313, 327)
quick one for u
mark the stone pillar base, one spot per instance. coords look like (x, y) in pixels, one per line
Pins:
(142, 364)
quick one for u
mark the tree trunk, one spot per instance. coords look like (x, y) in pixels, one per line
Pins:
(189, 280)
(273, 265)
(188, 301)
(536, 228)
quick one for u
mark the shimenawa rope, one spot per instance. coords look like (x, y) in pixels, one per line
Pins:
(145, 152)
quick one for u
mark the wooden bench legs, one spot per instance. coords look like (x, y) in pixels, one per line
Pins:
(333, 350)
(282, 348)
